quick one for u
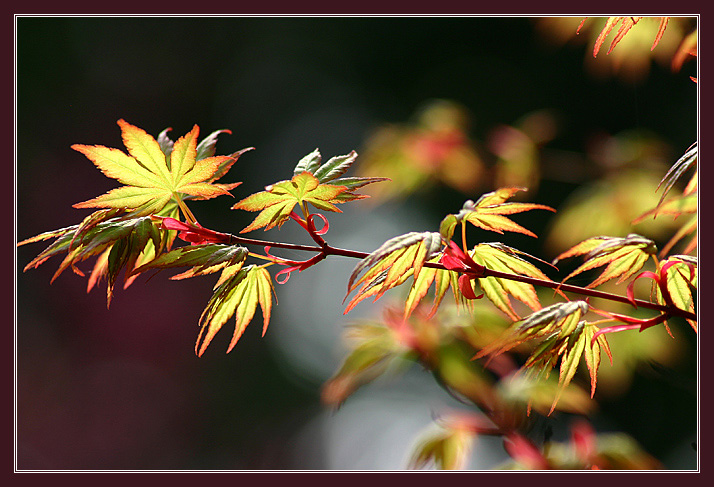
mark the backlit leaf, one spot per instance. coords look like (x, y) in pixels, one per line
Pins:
(308, 185)
(392, 263)
(119, 243)
(309, 163)
(576, 344)
(502, 258)
(678, 168)
(278, 200)
(623, 256)
(447, 448)
(627, 24)
(151, 178)
(488, 213)
(560, 334)
(203, 259)
(681, 278)
(442, 278)
(335, 167)
(238, 292)
(540, 324)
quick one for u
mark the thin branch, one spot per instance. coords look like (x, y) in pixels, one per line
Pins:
(327, 249)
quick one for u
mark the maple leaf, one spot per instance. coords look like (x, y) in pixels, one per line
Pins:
(623, 256)
(542, 323)
(561, 334)
(627, 24)
(117, 241)
(332, 169)
(156, 175)
(278, 200)
(203, 259)
(500, 257)
(308, 185)
(391, 264)
(374, 349)
(686, 203)
(238, 292)
(678, 168)
(442, 279)
(488, 213)
(447, 446)
(495, 256)
(674, 278)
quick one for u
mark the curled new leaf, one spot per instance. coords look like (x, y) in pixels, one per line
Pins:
(623, 256)
(238, 292)
(392, 263)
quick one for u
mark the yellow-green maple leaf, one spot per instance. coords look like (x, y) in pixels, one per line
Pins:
(278, 200)
(623, 256)
(238, 292)
(152, 179)
(488, 213)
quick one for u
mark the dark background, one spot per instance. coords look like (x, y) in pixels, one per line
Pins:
(121, 388)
